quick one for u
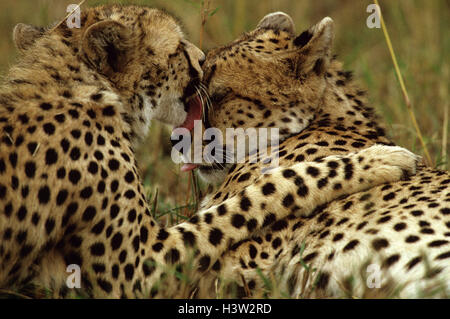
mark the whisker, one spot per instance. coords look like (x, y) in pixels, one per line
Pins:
(199, 93)
(206, 106)
(218, 165)
(205, 102)
(206, 96)
(224, 155)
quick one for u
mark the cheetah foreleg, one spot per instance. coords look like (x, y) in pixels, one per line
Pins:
(298, 190)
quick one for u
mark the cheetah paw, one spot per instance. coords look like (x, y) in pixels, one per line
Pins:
(392, 162)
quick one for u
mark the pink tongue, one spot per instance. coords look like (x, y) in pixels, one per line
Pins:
(195, 113)
(188, 167)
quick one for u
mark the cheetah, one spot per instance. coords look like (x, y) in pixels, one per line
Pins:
(72, 112)
(293, 82)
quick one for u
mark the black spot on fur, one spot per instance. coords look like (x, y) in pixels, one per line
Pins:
(379, 243)
(215, 236)
(237, 220)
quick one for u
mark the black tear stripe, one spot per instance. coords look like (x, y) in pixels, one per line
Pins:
(189, 90)
(208, 79)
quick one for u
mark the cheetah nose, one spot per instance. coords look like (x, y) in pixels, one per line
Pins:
(202, 59)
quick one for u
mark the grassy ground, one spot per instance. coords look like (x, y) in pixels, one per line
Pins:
(418, 29)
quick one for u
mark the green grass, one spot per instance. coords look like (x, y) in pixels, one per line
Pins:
(418, 30)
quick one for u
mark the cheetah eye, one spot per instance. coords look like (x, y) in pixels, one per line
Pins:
(218, 96)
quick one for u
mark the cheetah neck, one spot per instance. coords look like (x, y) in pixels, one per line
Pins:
(62, 77)
(344, 106)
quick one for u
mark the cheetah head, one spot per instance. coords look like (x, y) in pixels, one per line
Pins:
(268, 78)
(140, 52)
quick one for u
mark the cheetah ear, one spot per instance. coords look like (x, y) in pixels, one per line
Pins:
(25, 35)
(277, 21)
(315, 46)
(106, 45)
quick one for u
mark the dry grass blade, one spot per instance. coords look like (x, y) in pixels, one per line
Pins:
(204, 17)
(9, 138)
(445, 133)
(403, 88)
(13, 293)
(155, 202)
(188, 196)
(68, 15)
(442, 93)
(36, 150)
(246, 289)
(192, 295)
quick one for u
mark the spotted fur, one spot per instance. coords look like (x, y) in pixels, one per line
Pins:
(293, 82)
(70, 193)
(71, 113)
